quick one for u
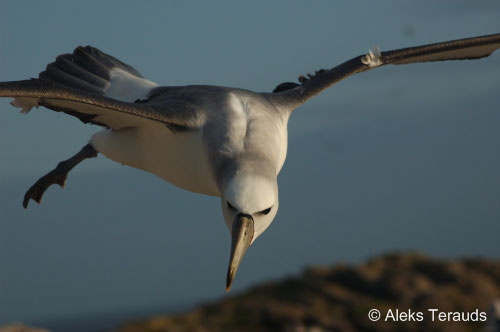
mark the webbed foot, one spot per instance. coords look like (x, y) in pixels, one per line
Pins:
(57, 175)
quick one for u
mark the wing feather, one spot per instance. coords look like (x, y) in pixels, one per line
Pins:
(462, 49)
(97, 109)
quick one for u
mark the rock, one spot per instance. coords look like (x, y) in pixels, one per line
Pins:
(338, 298)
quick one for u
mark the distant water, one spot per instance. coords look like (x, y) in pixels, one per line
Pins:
(402, 157)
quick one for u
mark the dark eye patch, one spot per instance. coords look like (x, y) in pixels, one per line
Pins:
(232, 208)
(266, 211)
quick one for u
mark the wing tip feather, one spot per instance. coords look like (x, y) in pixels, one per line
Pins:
(25, 104)
(373, 58)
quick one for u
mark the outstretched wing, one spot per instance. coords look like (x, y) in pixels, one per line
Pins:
(471, 48)
(98, 109)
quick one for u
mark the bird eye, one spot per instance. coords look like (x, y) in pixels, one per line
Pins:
(266, 211)
(232, 208)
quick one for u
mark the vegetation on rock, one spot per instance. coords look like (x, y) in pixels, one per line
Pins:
(338, 298)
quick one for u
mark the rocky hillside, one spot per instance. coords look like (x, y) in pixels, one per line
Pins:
(339, 298)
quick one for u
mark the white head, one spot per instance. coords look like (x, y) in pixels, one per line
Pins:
(249, 204)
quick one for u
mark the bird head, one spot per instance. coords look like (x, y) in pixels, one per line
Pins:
(249, 205)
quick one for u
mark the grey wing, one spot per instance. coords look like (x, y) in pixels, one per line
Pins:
(97, 88)
(89, 69)
(98, 109)
(295, 94)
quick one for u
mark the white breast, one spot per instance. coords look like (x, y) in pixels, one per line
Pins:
(179, 158)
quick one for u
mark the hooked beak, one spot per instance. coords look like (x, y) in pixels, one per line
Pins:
(241, 238)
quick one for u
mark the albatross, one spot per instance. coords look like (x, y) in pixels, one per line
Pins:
(212, 140)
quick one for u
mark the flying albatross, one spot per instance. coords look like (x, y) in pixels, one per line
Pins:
(212, 140)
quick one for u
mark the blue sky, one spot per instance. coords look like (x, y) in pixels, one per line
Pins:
(398, 158)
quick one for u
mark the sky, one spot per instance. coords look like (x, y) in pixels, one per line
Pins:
(398, 158)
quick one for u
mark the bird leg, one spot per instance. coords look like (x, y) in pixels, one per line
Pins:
(57, 175)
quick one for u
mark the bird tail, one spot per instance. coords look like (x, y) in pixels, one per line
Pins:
(94, 71)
